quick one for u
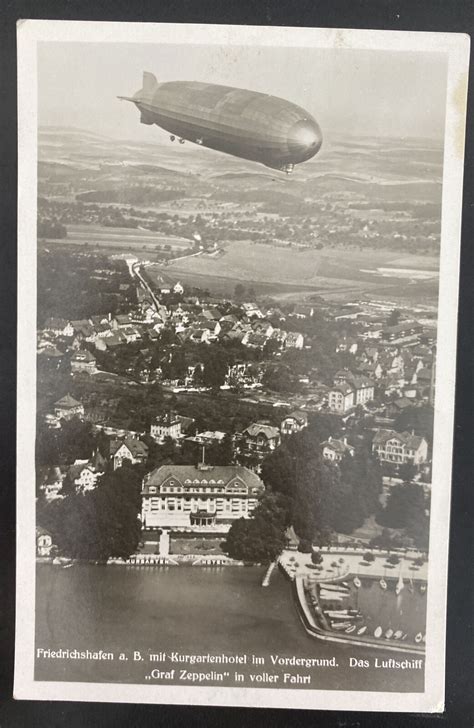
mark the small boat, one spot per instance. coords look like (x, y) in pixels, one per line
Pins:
(362, 630)
(340, 625)
(333, 615)
(398, 634)
(411, 587)
(405, 636)
(399, 586)
(331, 595)
(422, 588)
(423, 639)
(345, 583)
(344, 612)
(335, 588)
(67, 566)
(357, 582)
(350, 629)
(389, 634)
(418, 637)
(378, 632)
(383, 583)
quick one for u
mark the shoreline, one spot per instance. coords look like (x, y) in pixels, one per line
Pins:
(316, 631)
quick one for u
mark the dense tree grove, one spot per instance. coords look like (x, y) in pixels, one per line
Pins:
(99, 524)
(74, 285)
(318, 497)
(262, 537)
(420, 419)
(74, 440)
(407, 508)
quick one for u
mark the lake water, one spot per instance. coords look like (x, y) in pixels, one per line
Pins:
(192, 611)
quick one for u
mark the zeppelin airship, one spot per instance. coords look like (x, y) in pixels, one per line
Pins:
(246, 124)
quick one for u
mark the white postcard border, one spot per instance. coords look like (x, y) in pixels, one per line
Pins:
(30, 32)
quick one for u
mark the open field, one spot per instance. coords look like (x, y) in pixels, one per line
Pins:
(373, 204)
(276, 270)
(131, 240)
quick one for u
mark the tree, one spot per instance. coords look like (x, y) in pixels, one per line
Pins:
(98, 524)
(260, 538)
(280, 378)
(305, 546)
(239, 292)
(419, 419)
(278, 471)
(394, 317)
(407, 472)
(406, 505)
(215, 370)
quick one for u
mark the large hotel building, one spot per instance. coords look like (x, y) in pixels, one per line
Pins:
(198, 497)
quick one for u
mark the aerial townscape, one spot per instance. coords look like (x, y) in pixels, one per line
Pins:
(279, 411)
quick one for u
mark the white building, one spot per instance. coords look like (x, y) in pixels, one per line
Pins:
(341, 398)
(84, 476)
(294, 422)
(67, 407)
(400, 447)
(83, 361)
(199, 497)
(129, 449)
(171, 425)
(335, 450)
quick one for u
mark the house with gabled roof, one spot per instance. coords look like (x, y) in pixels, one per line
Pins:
(83, 361)
(84, 474)
(257, 440)
(400, 447)
(341, 398)
(334, 449)
(58, 327)
(68, 407)
(130, 449)
(294, 340)
(294, 422)
(252, 310)
(303, 311)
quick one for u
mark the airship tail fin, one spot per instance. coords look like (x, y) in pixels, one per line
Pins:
(149, 82)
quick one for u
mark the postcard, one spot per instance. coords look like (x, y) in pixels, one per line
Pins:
(238, 283)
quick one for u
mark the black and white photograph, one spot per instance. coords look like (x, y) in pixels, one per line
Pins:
(238, 264)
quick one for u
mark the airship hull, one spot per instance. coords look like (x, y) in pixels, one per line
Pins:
(246, 124)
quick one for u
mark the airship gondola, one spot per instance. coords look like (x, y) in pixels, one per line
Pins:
(246, 124)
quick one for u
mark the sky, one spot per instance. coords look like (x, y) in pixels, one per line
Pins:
(353, 92)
